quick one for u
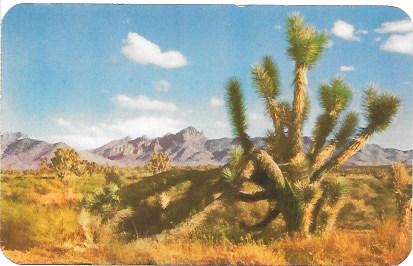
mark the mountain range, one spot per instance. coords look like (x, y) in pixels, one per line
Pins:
(188, 147)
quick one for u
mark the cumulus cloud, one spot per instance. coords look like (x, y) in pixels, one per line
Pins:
(398, 26)
(399, 43)
(346, 31)
(162, 86)
(142, 102)
(401, 36)
(345, 68)
(216, 102)
(142, 51)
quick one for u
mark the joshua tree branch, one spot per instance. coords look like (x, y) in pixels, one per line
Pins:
(332, 215)
(271, 216)
(265, 162)
(325, 124)
(316, 212)
(352, 148)
(323, 155)
(274, 111)
(346, 130)
(246, 197)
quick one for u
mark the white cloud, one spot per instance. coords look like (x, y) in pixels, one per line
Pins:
(401, 36)
(398, 26)
(142, 51)
(399, 43)
(162, 86)
(82, 136)
(142, 102)
(346, 31)
(216, 102)
(78, 141)
(407, 83)
(345, 68)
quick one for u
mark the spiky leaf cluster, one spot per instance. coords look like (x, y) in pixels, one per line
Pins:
(347, 129)
(237, 110)
(335, 96)
(380, 108)
(266, 78)
(306, 191)
(229, 173)
(336, 189)
(306, 43)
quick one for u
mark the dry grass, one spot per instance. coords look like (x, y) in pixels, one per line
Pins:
(152, 252)
(387, 244)
(41, 224)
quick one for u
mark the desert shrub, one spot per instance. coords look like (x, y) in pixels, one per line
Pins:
(27, 225)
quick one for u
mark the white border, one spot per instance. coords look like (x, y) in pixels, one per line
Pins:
(406, 6)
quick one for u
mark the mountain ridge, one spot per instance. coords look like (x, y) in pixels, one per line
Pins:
(188, 147)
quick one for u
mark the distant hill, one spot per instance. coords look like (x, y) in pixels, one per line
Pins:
(186, 147)
(21, 153)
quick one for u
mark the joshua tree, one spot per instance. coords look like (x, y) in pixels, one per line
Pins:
(295, 181)
(159, 162)
(66, 161)
(44, 167)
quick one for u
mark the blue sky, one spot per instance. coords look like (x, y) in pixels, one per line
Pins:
(86, 74)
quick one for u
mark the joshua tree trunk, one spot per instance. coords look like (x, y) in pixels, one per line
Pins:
(299, 102)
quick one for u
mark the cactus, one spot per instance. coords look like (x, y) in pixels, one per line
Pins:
(291, 180)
